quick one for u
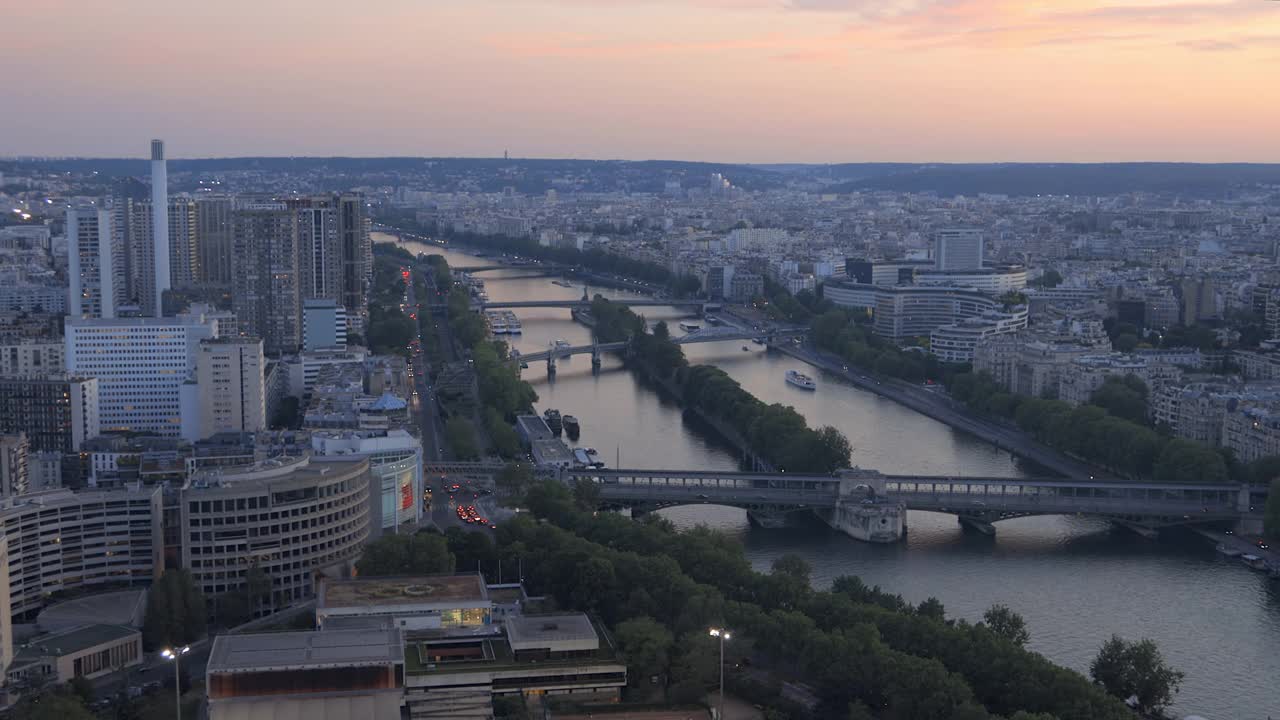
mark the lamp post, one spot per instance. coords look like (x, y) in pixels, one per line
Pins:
(723, 635)
(176, 656)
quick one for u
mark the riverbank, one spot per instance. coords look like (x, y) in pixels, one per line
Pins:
(936, 405)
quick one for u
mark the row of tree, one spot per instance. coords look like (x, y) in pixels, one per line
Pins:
(848, 334)
(775, 432)
(869, 654)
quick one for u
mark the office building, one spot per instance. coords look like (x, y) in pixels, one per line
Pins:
(958, 249)
(902, 312)
(995, 280)
(955, 343)
(57, 413)
(14, 474)
(159, 225)
(213, 240)
(94, 264)
(229, 388)
(335, 674)
(324, 325)
(32, 357)
(293, 517)
(395, 470)
(6, 615)
(335, 252)
(265, 288)
(141, 365)
(60, 540)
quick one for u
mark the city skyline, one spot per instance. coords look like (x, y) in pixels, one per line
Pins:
(719, 80)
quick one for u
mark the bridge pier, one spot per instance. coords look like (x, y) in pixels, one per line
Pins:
(976, 523)
(551, 366)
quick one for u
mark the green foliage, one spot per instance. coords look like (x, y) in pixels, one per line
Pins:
(1124, 397)
(505, 439)
(838, 331)
(647, 646)
(853, 644)
(1007, 624)
(287, 414)
(81, 688)
(54, 703)
(1136, 670)
(176, 613)
(514, 479)
(1125, 342)
(1189, 461)
(460, 435)
(933, 609)
(390, 331)
(500, 385)
(1271, 520)
(418, 554)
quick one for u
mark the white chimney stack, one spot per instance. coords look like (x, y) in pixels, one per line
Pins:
(160, 221)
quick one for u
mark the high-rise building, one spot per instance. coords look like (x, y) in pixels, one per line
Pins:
(324, 325)
(57, 413)
(141, 365)
(92, 264)
(213, 240)
(160, 222)
(718, 282)
(14, 473)
(335, 252)
(230, 388)
(183, 263)
(265, 291)
(958, 249)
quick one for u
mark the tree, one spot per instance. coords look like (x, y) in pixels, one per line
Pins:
(794, 566)
(417, 554)
(1138, 671)
(1124, 397)
(176, 613)
(647, 645)
(52, 704)
(1271, 520)
(1007, 624)
(460, 435)
(933, 609)
(82, 689)
(257, 587)
(1125, 342)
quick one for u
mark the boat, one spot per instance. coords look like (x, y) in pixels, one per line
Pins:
(513, 326)
(1227, 551)
(758, 341)
(552, 416)
(746, 349)
(561, 344)
(800, 380)
(690, 327)
(1253, 561)
(562, 283)
(571, 426)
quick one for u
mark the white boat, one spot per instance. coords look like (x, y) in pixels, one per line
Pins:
(690, 327)
(561, 344)
(514, 327)
(1253, 561)
(800, 380)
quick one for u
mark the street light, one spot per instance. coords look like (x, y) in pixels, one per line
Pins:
(176, 657)
(723, 636)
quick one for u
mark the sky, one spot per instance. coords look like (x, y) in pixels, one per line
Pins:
(717, 80)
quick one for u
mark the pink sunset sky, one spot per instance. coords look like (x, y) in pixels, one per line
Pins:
(724, 80)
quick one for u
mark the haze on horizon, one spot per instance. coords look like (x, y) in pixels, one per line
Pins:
(720, 80)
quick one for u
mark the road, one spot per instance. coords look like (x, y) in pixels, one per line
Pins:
(424, 397)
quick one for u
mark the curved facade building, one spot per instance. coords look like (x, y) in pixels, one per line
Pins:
(902, 312)
(395, 463)
(60, 540)
(291, 517)
(955, 343)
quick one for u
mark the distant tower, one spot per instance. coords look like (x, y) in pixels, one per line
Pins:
(504, 155)
(160, 221)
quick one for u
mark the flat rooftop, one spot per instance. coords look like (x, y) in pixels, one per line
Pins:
(403, 590)
(528, 631)
(75, 640)
(308, 649)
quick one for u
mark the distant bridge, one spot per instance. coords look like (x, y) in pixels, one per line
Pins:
(699, 336)
(508, 266)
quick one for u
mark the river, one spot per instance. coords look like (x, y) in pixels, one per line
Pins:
(1076, 581)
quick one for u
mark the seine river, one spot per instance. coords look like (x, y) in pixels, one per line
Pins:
(1076, 581)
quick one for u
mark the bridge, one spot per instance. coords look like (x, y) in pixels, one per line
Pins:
(508, 266)
(585, 303)
(855, 501)
(705, 335)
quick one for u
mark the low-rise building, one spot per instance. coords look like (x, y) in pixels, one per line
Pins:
(86, 652)
(1253, 433)
(1086, 374)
